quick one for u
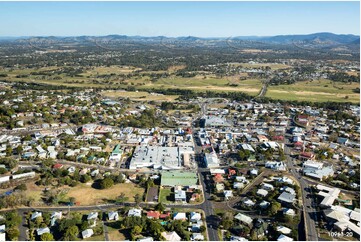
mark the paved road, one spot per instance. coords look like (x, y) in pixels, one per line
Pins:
(310, 215)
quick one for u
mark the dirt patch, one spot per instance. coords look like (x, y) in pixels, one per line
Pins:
(88, 195)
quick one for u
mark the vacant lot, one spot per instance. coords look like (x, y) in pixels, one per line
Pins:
(165, 195)
(316, 91)
(87, 195)
(140, 96)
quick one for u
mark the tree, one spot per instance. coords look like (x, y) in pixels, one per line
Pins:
(85, 178)
(137, 199)
(3, 170)
(136, 230)
(122, 198)
(106, 183)
(21, 187)
(47, 237)
(275, 207)
(13, 233)
(72, 200)
(160, 207)
(71, 233)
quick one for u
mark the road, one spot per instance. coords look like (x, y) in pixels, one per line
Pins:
(310, 215)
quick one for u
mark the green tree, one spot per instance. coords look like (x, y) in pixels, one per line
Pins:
(71, 233)
(13, 233)
(137, 199)
(106, 183)
(137, 230)
(47, 237)
(275, 207)
(160, 207)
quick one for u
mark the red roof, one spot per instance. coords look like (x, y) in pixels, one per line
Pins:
(164, 215)
(278, 137)
(298, 143)
(58, 166)
(153, 214)
(307, 154)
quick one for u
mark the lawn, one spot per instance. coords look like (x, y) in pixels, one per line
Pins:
(115, 234)
(164, 195)
(87, 195)
(140, 96)
(317, 91)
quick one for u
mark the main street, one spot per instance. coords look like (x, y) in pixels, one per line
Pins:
(310, 215)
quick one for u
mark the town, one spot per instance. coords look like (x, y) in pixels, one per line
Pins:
(80, 164)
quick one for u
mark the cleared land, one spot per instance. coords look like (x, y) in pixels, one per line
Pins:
(140, 96)
(316, 91)
(87, 195)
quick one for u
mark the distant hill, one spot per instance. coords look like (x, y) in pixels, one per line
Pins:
(325, 41)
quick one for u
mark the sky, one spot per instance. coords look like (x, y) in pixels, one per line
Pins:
(201, 19)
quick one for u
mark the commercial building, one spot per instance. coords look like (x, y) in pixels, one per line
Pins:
(157, 157)
(179, 178)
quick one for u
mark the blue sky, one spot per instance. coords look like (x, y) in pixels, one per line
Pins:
(203, 19)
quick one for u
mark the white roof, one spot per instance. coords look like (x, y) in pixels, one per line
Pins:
(41, 231)
(171, 236)
(243, 218)
(283, 237)
(283, 229)
(134, 212)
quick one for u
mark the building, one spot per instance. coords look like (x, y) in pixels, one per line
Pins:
(286, 197)
(317, 170)
(215, 121)
(244, 218)
(211, 160)
(2, 233)
(41, 231)
(171, 236)
(113, 215)
(180, 195)
(87, 233)
(180, 178)
(134, 212)
(329, 195)
(158, 157)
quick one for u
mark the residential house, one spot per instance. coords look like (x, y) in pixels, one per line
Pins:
(179, 216)
(87, 233)
(41, 231)
(113, 215)
(153, 214)
(135, 212)
(286, 197)
(171, 236)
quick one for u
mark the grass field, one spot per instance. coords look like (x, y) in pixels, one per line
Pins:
(115, 234)
(140, 96)
(163, 194)
(87, 195)
(320, 91)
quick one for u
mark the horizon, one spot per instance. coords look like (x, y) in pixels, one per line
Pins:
(184, 36)
(177, 19)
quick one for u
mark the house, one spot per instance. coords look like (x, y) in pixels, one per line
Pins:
(219, 187)
(180, 195)
(2, 233)
(264, 204)
(254, 172)
(244, 218)
(197, 237)
(153, 214)
(58, 166)
(289, 211)
(36, 215)
(317, 170)
(195, 217)
(55, 216)
(275, 165)
(87, 233)
(342, 141)
(238, 185)
(134, 212)
(267, 186)
(227, 194)
(179, 216)
(283, 230)
(262, 192)
(164, 215)
(218, 178)
(113, 215)
(248, 202)
(283, 237)
(171, 236)
(306, 156)
(286, 197)
(92, 215)
(145, 239)
(41, 231)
